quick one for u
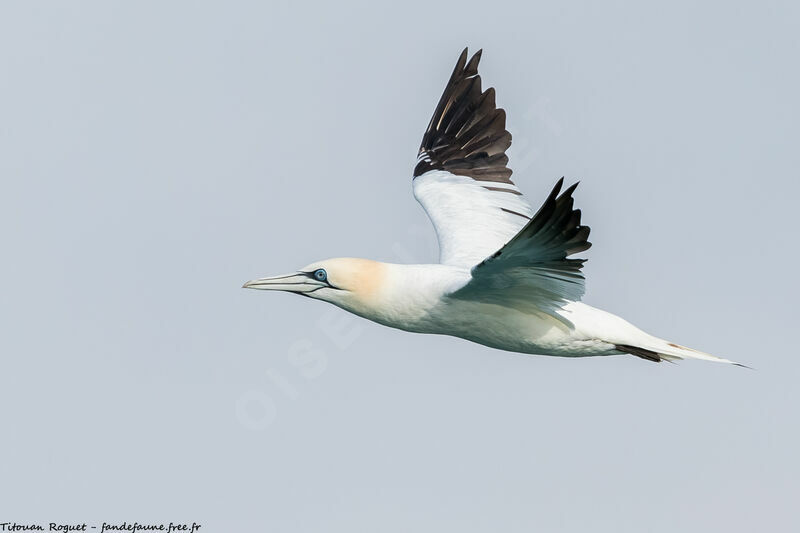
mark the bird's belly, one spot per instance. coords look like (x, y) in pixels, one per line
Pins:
(507, 328)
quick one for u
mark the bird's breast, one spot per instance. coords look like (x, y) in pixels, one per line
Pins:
(492, 325)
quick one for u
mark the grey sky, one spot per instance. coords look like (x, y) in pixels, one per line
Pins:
(155, 155)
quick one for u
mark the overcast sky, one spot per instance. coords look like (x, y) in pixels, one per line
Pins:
(156, 155)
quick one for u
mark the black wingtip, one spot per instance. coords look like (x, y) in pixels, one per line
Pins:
(644, 353)
(556, 188)
(459, 68)
(467, 133)
(472, 66)
(571, 189)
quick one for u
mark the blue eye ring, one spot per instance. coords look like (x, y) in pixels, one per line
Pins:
(320, 274)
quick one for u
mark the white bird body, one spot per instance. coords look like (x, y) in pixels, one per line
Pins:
(415, 298)
(505, 278)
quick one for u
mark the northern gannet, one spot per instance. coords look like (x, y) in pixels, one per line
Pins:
(505, 278)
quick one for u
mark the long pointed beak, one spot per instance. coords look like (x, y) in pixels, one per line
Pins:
(297, 282)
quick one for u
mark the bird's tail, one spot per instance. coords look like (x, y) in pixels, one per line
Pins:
(660, 350)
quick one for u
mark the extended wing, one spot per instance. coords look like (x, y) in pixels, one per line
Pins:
(534, 269)
(462, 179)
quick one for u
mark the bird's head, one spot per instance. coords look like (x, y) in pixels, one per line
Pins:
(347, 282)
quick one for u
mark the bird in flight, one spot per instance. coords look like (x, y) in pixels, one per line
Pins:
(506, 277)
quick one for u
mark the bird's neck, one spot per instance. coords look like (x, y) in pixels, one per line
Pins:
(403, 296)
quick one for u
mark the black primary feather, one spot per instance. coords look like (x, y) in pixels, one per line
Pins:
(535, 265)
(467, 134)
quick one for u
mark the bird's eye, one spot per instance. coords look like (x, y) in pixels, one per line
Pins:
(320, 275)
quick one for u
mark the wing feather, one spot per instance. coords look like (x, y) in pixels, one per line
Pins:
(534, 268)
(481, 218)
(462, 177)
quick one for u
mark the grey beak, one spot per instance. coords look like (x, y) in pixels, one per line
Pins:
(297, 282)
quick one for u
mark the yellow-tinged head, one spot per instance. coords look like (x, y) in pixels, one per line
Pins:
(347, 282)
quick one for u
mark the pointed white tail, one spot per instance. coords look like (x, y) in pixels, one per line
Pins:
(672, 352)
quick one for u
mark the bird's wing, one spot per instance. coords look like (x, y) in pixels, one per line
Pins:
(533, 270)
(461, 178)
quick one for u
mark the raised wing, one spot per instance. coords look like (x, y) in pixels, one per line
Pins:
(461, 178)
(533, 269)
